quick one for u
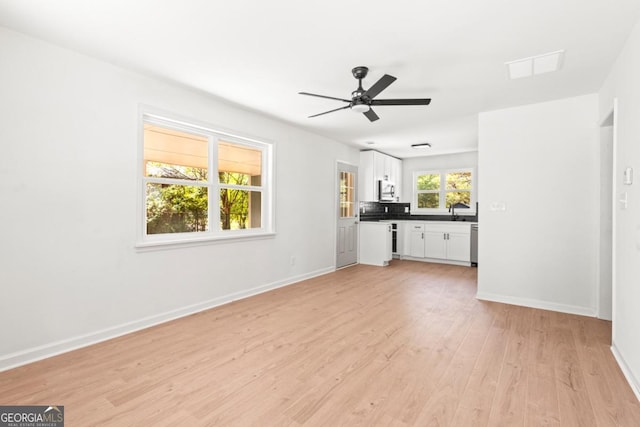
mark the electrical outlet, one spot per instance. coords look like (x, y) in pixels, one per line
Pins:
(386, 209)
(406, 209)
(498, 206)
(293, 260)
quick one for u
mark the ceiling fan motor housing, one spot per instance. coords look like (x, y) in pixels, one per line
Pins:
(360, 72)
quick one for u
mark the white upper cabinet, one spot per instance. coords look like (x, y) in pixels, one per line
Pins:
(375, 166)
(395, 174)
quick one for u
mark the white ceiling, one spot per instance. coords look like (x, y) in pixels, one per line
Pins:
(260, 54)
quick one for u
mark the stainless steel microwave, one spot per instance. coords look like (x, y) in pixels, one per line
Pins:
(386, 191)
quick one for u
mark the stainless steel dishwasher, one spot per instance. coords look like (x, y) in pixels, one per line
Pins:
(474, 244)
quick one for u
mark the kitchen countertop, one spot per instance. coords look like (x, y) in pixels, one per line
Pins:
(440, 221)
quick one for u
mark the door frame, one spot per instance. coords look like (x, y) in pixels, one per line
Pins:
(336, 211)
(610, 120)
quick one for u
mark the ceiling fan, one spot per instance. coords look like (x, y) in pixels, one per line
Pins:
(362, 100)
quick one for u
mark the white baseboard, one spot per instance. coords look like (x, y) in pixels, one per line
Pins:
(631, 379)
(34, 354)
(435, 260)
(544, 305)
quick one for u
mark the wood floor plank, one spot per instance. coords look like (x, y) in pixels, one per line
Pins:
(542, 395)
(573, 398)
(403, 345)
(507, 408)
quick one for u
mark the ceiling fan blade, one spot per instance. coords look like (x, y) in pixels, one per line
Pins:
(323, 96)
(424, 101)
(371, 115)
(379, 86)
(330, 111)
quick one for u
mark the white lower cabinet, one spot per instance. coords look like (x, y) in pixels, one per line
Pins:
(438, 241)
(416, 241)
(435, 244)
(375, 243)
(459, 246)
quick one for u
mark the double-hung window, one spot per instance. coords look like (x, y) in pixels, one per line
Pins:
(435, 191)
(202, 184)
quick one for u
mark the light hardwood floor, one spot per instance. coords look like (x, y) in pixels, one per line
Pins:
(405, 345)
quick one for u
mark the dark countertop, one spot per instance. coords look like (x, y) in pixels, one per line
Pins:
(372, 218)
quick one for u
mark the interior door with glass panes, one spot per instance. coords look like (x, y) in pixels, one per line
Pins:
(347, 224)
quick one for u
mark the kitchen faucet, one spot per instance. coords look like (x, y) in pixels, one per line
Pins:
(452, 210)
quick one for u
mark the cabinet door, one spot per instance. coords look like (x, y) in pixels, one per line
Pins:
(396, 175)
(435, 244)
(367, 183)
(388, 253)
(459, 247)
(379, 160)
(417, 244)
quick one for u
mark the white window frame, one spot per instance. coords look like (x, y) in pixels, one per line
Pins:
(149, 115)
(442, 209)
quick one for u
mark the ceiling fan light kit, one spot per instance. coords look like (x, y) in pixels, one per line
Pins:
(360, 107)
(362, 100)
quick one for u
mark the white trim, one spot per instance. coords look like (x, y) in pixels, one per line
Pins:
(214, 134)
(198, 240)
(543, 305)
(631, 379)
(442, 192)
(34, 354)
(614, 222)
(435, 260)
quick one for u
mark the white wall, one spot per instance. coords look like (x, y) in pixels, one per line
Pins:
(69, 272)
(622, 83)
(541, 161)
(425, 163)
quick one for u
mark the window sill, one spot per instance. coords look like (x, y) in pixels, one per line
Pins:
(163, 244)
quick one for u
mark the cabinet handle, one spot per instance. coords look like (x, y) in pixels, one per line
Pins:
(422, 236)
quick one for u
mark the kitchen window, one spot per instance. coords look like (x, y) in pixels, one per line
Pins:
(435, 191)
(200, 184)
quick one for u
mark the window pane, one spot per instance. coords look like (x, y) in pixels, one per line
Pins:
(176, 208)
(173, 154)
(460, 199)
(347, 194)
(239, 165)
(459, 181)
(240, 209)
(428, 200)
(428, 182)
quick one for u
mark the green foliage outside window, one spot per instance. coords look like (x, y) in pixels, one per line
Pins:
(454, 187)
(428, 200)
(428, 182)
(174, 208)
(234, 204)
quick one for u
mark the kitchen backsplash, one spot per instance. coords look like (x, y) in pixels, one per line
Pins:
(376, 211)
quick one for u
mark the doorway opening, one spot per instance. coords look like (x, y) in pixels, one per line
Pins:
(606, 278)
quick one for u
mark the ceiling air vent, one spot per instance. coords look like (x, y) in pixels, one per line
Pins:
(533, 65)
